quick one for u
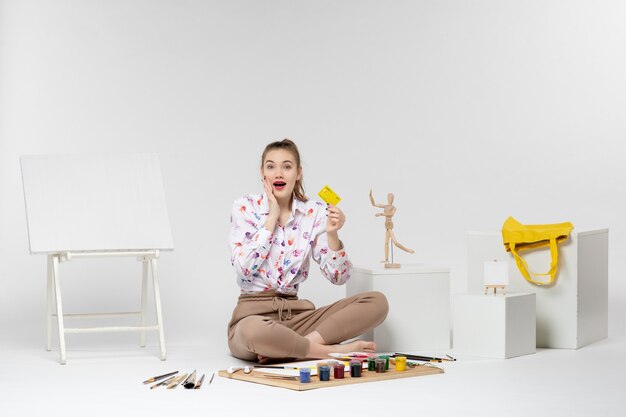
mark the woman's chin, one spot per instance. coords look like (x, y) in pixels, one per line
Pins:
(283, 196)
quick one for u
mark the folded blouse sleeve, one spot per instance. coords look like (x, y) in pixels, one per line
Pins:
(249, 240)
(335, 265)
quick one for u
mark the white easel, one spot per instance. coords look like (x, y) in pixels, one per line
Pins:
(132, 181)
(495, 276)
(54, 297)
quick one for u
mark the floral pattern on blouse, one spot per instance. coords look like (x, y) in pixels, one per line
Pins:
(279, 260)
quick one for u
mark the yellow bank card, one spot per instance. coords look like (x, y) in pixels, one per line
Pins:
(329, 196)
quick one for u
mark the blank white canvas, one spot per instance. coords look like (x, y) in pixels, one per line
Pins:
(94, 202)
(496, 273)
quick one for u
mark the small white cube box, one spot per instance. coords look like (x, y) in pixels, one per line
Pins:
(574, 311)
(419, 305)
(494, 326)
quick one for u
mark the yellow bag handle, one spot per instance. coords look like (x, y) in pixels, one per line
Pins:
(518, 237)
(523, 266)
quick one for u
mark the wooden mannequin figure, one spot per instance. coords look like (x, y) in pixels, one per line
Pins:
(388, 211)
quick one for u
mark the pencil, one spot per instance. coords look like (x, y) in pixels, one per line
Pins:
(156, 378)
(164, 382)
(212, 376)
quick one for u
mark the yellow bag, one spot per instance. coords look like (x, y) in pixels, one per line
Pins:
(519, 237)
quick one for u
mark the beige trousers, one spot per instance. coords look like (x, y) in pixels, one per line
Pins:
(274, 325)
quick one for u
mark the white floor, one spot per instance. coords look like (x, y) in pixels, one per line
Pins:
(101, 381)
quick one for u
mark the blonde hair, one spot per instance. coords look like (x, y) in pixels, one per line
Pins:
(288, 145)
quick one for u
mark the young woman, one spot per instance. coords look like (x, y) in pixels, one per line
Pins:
(272, 240)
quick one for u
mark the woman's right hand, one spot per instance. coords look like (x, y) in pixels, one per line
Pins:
(271, 200)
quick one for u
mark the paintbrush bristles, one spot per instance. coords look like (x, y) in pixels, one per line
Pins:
(190, 382)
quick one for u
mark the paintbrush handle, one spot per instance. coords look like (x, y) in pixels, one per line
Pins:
(176, 382)
(200, 381)
(274, 376)
(270, 367)
(419, 357)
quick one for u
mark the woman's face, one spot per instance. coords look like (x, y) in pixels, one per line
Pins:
(282, 172)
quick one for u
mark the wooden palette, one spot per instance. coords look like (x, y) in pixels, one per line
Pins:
(258, 376)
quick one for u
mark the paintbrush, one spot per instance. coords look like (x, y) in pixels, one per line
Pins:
(279, 367)
(190, 382)
(425, 358)
(282, 377)
(200, 381)
(176, 381)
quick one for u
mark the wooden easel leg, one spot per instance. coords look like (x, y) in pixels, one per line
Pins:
(157, 302)
(144, 301)
(49, 296)
(59, 304)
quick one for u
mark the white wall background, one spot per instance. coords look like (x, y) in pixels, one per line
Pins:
(469, 111)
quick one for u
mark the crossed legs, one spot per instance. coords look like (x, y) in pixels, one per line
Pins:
(312, 333)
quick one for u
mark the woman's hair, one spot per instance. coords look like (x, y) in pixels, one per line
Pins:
(288, 145)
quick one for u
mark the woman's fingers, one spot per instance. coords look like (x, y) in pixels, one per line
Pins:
(336, 218)
(335, 210)
(266, 186)
(335, 221)
(268, 189)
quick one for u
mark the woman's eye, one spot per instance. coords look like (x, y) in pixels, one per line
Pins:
(287, 166)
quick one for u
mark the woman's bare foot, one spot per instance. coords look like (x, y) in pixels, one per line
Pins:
(356, 346)
(319, 349)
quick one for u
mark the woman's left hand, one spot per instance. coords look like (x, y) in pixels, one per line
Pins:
(336, 219)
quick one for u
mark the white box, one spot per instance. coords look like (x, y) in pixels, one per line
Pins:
(494, 326)
(419, 305)
(574, 311)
